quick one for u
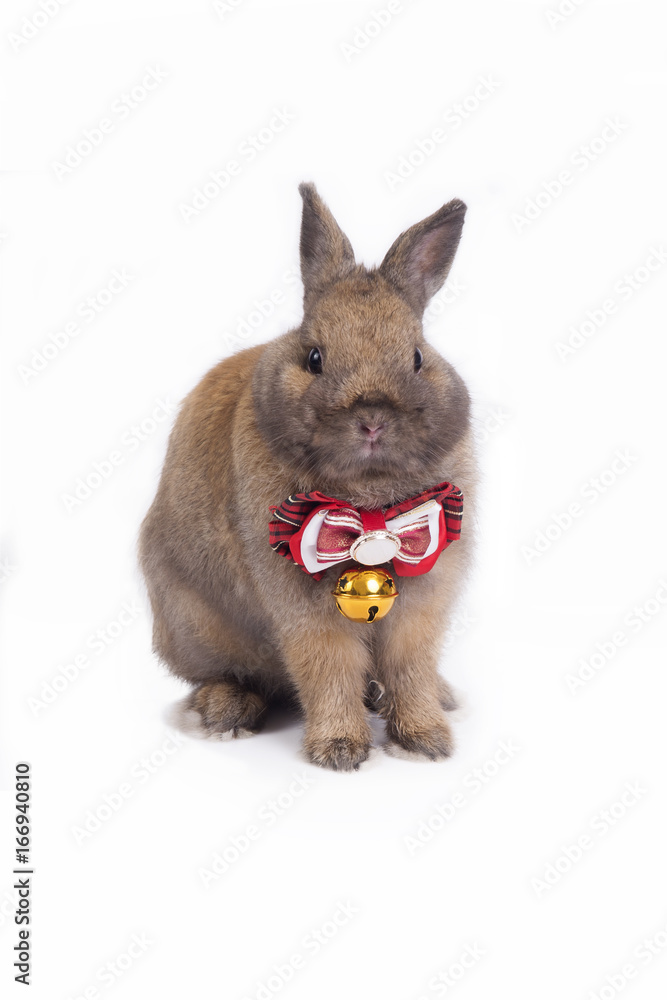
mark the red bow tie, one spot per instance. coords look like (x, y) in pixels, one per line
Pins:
(317, 531)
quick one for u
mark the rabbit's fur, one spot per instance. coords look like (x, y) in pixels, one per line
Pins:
(234, 618)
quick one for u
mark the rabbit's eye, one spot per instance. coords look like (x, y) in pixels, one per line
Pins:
(315, 362)
(419, 358)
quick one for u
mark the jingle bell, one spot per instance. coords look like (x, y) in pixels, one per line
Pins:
(364, 595)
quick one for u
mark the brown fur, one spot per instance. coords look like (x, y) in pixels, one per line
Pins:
(237, 620)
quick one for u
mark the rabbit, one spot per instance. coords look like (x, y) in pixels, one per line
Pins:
(355, 404)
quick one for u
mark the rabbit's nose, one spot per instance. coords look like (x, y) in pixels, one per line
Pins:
(371, 430)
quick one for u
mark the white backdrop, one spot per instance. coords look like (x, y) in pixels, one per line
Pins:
(532, 864)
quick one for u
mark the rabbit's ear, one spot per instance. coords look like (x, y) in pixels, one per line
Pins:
(326, 253)
(419, 260)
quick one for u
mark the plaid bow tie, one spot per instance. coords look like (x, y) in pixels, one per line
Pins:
(316, 531)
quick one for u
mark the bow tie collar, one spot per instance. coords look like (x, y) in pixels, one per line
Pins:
(317, 531)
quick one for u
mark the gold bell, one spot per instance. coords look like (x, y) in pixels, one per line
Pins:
(364, 595)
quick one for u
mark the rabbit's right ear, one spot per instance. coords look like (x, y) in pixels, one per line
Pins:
(419, 260)
(326, 253)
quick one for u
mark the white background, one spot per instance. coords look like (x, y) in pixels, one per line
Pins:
(549, 427)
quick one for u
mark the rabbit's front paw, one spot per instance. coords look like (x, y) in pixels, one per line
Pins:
(432, 740)
(340, 753)
(226, 710)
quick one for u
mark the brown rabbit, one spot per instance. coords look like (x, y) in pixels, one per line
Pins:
(354, 404)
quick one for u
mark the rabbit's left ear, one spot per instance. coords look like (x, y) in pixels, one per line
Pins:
(419, 260)
(326, 252)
